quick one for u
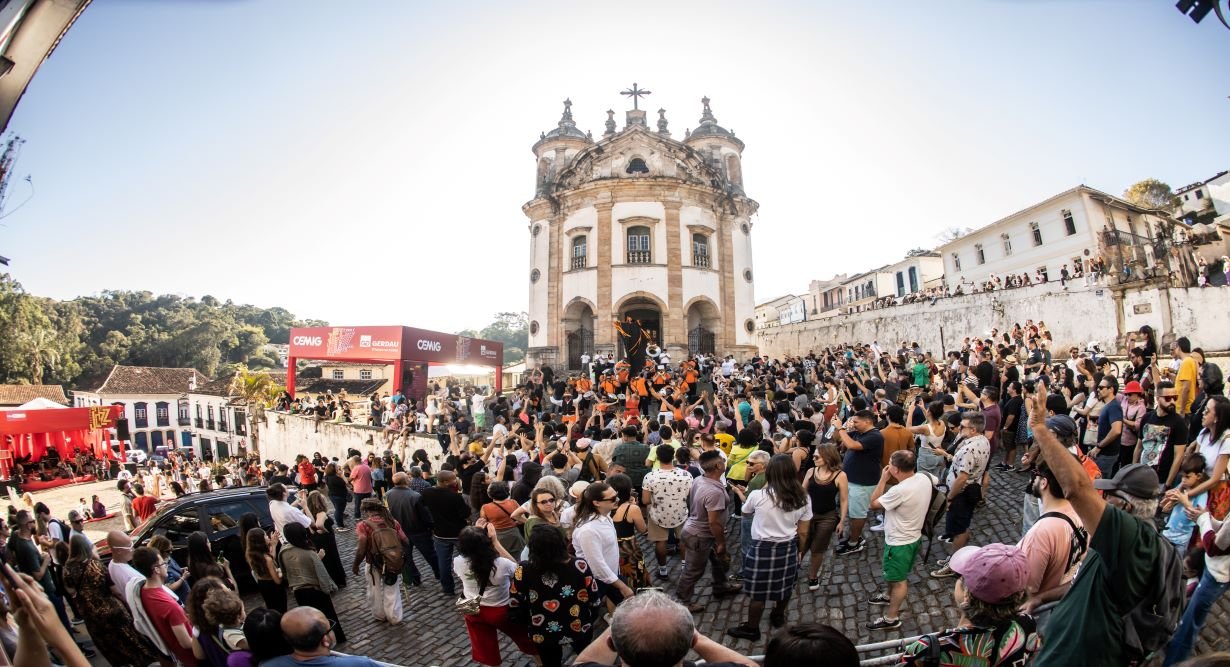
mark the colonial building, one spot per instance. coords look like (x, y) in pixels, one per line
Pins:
(1057, 232)
(149, 396)
(221, 425)
(15, 395)
(639, 223)
(780, 311)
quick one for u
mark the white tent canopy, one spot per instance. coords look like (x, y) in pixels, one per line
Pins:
(39, 403)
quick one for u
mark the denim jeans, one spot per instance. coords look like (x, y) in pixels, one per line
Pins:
(445, 548)
(1197, 611)
(339, 510)
(358, 500)
(1108, 464)
(745, 541)
(422, 542)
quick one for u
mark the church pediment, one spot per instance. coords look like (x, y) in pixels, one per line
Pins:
(637, 152)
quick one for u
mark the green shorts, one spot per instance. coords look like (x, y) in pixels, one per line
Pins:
(899, 561)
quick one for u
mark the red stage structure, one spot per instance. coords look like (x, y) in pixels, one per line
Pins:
(409, 350)
(30, 433)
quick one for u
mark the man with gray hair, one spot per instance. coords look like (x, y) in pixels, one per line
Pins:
(652, 630)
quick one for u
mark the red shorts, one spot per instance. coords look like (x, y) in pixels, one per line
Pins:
(485, 645)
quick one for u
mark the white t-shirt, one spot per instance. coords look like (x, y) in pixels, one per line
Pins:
(771, 522)
(496, 593)
(905, 510)
(121, 574)
(1210, 449)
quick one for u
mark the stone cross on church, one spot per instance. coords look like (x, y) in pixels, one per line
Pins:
(639, 225)
(636, 93)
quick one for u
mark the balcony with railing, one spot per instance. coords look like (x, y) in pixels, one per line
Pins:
(209, 424)
(184, 421)
(701, 261)
(200, 423)
(578, 262)
(640, 257)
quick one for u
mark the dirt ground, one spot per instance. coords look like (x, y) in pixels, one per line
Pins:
(64, 498)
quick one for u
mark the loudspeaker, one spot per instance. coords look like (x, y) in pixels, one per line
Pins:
(121, 429)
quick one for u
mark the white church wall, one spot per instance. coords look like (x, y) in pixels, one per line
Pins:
(699, 282)
(540, 245)
(583, 217)
(628, 279)
(582, 284)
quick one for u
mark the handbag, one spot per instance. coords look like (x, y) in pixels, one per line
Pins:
(469, 606)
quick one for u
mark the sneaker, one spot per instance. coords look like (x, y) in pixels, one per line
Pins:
(813, 584)
(744, 631)
(944, 573)
(852, 548)
(943, 562)
(878, 598)
(878, 528)
(946, 539)
(884, 623)
(343, 529)
(736, 577)
(664, 571)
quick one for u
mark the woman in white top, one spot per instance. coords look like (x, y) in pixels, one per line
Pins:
(486, 571)
(931, 455)
(1212, 443)
(771, 561)
(594, 538)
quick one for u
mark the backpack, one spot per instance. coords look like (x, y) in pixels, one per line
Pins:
(936, 510)
(1080, 540)
(1152, 623)
(385, 552)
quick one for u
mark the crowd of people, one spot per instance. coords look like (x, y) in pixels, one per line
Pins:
(554, 512)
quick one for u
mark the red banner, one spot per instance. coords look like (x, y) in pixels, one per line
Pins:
(392, 344)
(16, 422)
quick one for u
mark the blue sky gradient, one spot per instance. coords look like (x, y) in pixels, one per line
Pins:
(365, 162)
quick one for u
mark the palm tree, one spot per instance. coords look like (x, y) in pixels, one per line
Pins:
(43, 354)
(258, 391)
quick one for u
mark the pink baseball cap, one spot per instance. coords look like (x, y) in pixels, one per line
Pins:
(992, 573)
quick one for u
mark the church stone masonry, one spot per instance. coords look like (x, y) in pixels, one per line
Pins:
(641, 224)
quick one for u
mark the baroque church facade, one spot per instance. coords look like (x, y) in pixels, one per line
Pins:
(639, 224)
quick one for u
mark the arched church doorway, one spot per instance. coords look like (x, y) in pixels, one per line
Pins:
(704, 322)
(578, 333)
(646, 312)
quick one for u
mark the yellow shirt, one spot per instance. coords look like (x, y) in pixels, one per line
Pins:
(1187, 373)
(738, 461)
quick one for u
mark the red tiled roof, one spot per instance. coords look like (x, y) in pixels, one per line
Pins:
(150, 380)
(19, 394)
(222, 385)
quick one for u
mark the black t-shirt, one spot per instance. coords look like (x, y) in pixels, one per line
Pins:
(335, 485)
(1157, 439)
(986, 374)
(281, 479)
(467, 473)
(862, 466)
(449, 511)
(1011, 407)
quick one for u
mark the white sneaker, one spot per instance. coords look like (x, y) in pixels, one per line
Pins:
(878, 528)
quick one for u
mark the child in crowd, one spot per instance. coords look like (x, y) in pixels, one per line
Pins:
(1179, 527)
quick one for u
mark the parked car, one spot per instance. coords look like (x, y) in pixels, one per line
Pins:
(216, 513)
(131, 455)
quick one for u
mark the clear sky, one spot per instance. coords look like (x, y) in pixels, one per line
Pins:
(365, 162)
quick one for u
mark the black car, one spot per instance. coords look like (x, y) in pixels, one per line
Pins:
(216, 513)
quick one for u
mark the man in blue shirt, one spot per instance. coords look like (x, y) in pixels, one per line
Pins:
(1110, 428)
(311, 639)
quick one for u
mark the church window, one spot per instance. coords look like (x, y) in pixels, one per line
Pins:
(535, 275)
(1007, 244)
(749, 326)
(639, 251)
(746, 229)
(1037, 233)
(537, 228)
(700, 250)
(1068, 223)
(534, 327)
(982, 256)
(637, 166)
(578, 252)
(747, 275)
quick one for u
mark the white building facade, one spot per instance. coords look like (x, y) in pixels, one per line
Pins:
(639, 224)
(1057, 232)
(155, 402)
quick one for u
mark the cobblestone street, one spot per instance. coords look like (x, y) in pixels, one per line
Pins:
(434, 634)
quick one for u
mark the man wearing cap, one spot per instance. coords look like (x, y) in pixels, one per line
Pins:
(1163, 434)
(1124, 550)
(988, 593)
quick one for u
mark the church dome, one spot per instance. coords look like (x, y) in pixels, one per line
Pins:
(709, 127)
(566, 128)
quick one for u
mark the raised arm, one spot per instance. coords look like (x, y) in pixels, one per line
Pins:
(1071, 475)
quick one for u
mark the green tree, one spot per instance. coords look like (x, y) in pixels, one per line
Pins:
(1152, 193)
(258, 391)
(511, 329)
